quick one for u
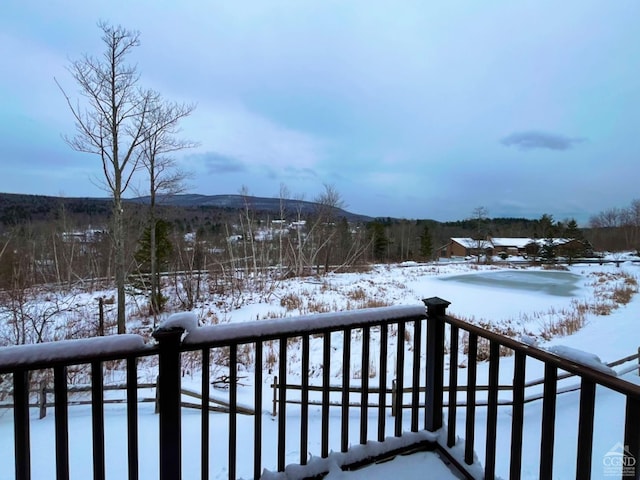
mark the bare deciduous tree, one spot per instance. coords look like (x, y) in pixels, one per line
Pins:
(329, 203)
(248, 230)
(110, 122)
(283, 195)
(165, 178)
(479, 217)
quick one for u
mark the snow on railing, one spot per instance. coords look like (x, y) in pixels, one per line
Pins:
(70, 351)
(304, 324)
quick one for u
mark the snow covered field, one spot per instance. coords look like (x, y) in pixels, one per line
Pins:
(531, 310)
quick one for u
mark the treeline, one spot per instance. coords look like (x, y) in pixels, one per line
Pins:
(16, 209)
(65, 245)
(617, 229)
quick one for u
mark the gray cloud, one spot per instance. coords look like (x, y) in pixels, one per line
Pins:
(535, 139)
(304, 173)
(217, 163)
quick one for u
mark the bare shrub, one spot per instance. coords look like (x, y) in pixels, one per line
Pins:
(631, 281)
(549, 266)
(191, 362)
(374, 303)
(602, 308)
(623, 295)
(357, 294)
(483, 348)
(271, 357)
(270, 315)
(407, 335)
(245, 354)
(318, 306)
(291, 301)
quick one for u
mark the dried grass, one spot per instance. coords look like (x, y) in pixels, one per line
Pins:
(357, 294)
(291, 301)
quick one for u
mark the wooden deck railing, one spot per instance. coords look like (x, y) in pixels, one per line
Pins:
(391, 391)
(412, 343)
(589, 379)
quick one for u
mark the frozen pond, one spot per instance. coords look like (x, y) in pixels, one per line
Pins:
(561, 284)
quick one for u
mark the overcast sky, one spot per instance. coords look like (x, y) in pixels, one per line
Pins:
(409, 109)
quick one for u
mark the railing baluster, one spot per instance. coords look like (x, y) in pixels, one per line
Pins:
(632, 436)
(382, 375)
(517, 415)
(492, 410)
(257, 417)
(453, 387)
(346, 373)
(304, 397)
(364, 395)
(233, 408)
(61, 422)
(470, 427)
(204, 420)
(548, 420)
(97, 419)
(399, 377)
(282, 402)
(326, 377)
(21, 424)
(132, 417)
(585, 429)
(415, 384)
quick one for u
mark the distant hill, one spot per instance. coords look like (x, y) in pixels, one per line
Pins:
(18, 208)
(258, 204)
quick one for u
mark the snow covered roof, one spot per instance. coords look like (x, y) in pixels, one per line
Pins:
(471, 243)
(517, 242)
(554, 241)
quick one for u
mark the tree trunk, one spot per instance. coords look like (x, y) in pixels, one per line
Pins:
(155, 281)
(120, 269)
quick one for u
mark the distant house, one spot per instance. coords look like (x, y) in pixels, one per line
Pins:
(564, 247)
(465, 247)
(511, 246)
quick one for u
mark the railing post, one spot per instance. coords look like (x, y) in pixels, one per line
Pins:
(21, 425)
(169, 401)
(631, 457)
(436, 311)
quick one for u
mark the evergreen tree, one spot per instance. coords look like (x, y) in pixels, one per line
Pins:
(573, 231)
(546, 226)
(163, 250)
(548, 250)
(380, 242)
(576, 246)
(426, 243)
